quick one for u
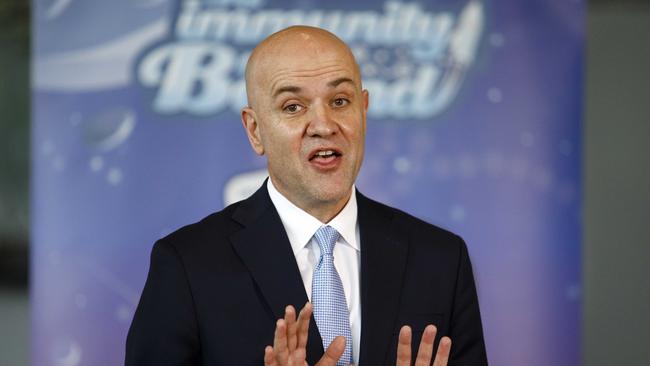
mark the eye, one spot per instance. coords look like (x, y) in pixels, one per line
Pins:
(292, 108)
(340, 102)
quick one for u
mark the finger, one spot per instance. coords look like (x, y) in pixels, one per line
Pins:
(404, 347)
(303, 325)
(269, 356)
(280, 342)
(290, 319)
(444, 348)
(298, 357)
(333, 352)
(425, 351)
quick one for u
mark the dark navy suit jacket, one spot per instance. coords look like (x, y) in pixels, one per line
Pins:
(215, 289)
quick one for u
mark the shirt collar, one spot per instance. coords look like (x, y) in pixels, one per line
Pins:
(301, 226)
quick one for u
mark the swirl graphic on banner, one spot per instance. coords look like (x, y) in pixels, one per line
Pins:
(414, 61)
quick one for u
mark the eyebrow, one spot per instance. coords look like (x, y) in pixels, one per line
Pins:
(339, 81)
(286, 89)
(297, 89)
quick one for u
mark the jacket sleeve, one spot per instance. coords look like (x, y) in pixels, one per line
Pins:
(466, 332)
(164, 330)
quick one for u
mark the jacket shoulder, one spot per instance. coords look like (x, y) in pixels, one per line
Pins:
(214, 228)
(407, 222)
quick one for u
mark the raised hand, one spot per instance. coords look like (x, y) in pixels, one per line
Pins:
(290, 344)
(290, 341)
(425, 351)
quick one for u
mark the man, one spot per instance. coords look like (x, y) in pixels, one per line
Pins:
(216, 288)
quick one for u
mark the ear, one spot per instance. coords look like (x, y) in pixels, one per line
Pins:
(251, 125)
(366, 101)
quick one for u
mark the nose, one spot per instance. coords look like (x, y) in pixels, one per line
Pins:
(321, 122)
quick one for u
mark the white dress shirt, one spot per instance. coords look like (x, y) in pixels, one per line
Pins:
(301, 226)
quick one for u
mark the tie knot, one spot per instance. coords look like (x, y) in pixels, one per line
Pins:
(326, 237)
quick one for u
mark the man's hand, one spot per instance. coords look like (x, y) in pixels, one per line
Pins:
(290, 344)
(290, 341)
(425, 351)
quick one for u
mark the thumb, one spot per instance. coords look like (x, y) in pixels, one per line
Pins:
(333, 352)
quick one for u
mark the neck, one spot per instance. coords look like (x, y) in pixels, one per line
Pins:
(323, 210)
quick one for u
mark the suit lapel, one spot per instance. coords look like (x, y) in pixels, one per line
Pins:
(264, 248)
(383, 262)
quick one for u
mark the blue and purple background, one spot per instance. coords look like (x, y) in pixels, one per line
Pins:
(475, 125)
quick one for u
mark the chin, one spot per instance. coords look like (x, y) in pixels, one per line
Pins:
(333, 194)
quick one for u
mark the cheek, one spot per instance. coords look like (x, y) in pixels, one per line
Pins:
(284, 148)
(355, 132)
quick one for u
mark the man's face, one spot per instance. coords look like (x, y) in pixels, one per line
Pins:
(309, 117)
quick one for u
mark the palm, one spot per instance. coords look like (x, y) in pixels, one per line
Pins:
(290, 344)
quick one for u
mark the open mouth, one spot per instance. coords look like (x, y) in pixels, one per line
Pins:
(324, 155)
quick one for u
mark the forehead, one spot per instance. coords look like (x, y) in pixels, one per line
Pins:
(309, 74)
(303, 60)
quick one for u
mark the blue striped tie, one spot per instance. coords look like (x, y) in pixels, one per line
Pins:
(327, 296)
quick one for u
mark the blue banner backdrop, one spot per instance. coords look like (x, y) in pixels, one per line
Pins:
(475, 125)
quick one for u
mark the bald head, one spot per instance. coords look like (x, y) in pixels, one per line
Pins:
(307, 114)
(293, 46)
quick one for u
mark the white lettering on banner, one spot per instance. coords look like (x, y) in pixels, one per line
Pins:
(190, 76)
(200, 71)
